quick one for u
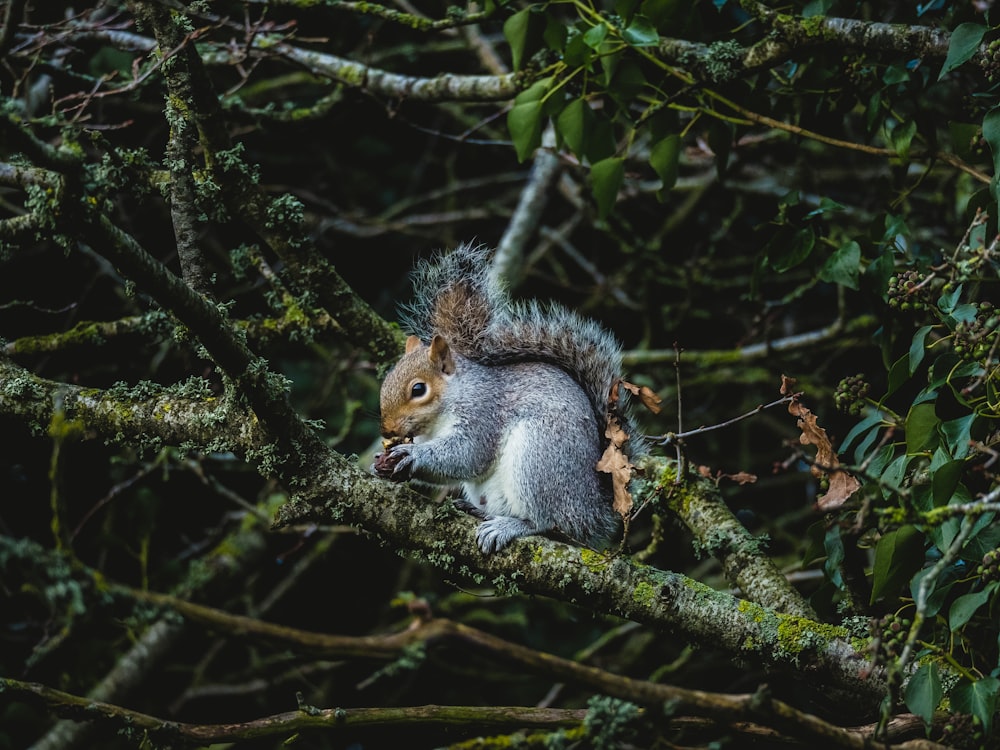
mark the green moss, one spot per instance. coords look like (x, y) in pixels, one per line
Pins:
(812, 26)
(61, 427)
(796, 634)
(644, 593)
(595, 562)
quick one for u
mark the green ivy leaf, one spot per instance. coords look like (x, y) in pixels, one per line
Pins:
(977, 698)
(605, 179)
(869, 422)
(625, 8)
(641, 33)
(921, 428)
(964, 42)
(785, 256)
(945, 480)
(917, 348)
(595, 35)
(957, 434)
(524, 121)
(664, 158)
(897, 555)
(948, 300)
(901, 136)
(965, 606)
(833, 545)
(844, 266)
(571, 125)
(991, 134)
(518, 30)
(600, 138)
(892, 477)
(923, 692)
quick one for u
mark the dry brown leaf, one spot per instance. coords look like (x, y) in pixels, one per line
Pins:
(787, 385)
(616, 463)
(645, 394)
(740, 477)
(842, 483)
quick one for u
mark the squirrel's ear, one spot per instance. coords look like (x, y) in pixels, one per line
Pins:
(413, 342)
(440, 355)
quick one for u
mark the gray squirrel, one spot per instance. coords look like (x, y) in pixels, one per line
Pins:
(508, 399)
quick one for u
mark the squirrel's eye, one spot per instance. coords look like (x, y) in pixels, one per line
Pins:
(418, 390)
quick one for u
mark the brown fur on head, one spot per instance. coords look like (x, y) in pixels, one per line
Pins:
(412, 391)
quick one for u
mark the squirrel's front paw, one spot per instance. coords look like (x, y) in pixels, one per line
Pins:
(395, 463)
(496, 532)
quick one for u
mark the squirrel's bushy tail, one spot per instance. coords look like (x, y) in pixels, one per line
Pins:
(457, 297)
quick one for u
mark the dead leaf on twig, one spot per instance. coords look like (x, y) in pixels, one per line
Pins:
(740, 477)
(842, 483)
(616, 463)
(645, 394)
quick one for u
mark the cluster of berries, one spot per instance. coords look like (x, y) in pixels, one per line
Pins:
(850, 394)
(989, 570)
(974, 338)
(890, 633)
(907, 291)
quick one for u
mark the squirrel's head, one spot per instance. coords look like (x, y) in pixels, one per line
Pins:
(412, 391)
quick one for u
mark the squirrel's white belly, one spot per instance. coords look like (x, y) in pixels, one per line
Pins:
(499, 493)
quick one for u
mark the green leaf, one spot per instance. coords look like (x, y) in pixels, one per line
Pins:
(595, 35)
(571, 125)
(901, 136)
(518, 30)
(921, 428)
(898, 554)
(991, 134)
(600, 139)
(833, 545)
(880, 270)
(965, 606)
(947, 301)
(958, 434)
(943, 584)
(628, 83)
(899, 374)
(664, 158)
(895, 472)
(524, 121)
(844, 266)
(578, 54)
(923, 692)
(917, 349)
(625, 8)
(895, 74)
(605, 179)
(555, 34)
(962, 136)
(945, 480)
(964, 42)
(641, 33)
(977, 698)
(873, 419)
(794, 252)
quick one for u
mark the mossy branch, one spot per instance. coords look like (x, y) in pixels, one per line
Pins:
(698, 503)
(339, 492)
